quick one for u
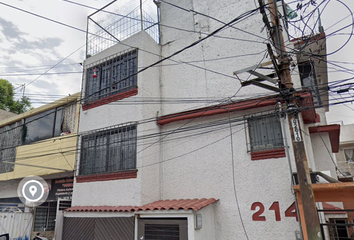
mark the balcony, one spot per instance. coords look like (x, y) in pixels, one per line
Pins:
(119, 20)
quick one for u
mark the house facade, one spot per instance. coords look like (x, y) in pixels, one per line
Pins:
(170, 143)
(41, 142)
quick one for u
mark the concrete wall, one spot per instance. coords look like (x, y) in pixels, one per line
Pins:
(144, 188)
(205, 164)
(206, 70)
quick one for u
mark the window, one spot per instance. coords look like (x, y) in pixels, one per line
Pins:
(111, 77)
(265, 133)
(162, 229)
(42, 126)
(45, 217)
(109, 151)
(308, 80)
(349, 155)
(10, 138)
(338, 229)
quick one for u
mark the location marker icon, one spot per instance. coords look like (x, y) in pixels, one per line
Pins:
(33, 190)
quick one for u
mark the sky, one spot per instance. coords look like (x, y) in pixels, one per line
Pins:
(31, 45)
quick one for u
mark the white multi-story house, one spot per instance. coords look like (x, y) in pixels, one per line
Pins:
(171, 145)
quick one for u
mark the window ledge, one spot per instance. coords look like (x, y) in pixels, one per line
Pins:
(274, 153)
(107, 176)
(109, 99)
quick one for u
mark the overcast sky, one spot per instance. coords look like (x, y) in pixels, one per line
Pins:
(32, 45)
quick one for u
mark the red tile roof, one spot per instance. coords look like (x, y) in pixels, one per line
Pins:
(101, 209)
(181, 204)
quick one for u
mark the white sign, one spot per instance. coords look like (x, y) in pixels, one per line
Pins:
(296, 130)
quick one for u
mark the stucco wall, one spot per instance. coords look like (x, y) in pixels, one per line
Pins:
(207, 164)
(206, 70)
(140, 109)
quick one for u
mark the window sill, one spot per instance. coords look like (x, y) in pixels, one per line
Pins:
(109, 99)
(268, 154)
(107, 176)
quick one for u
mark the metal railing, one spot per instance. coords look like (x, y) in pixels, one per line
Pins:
(119, 20)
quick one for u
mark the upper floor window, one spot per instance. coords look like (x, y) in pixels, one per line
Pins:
(43, 125)
(308, 80)
(265, 133)
(10, 138)
(113, 76)
(349, 155)
(109, 151)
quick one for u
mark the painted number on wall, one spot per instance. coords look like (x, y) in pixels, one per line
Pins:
(259, 208)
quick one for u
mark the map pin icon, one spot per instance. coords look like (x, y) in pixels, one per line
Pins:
(33, 190)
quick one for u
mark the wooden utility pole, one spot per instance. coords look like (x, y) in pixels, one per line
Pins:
(311, 222)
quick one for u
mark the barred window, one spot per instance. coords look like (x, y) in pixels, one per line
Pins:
(111, 77)
(109, 151)
(265, 133)
(45, 216)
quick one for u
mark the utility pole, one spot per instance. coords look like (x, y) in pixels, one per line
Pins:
(311, 220)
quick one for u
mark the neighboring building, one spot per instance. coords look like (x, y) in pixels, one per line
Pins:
(345, 161)
(5, 114)
(41, 142)
(177, 149)
(312, 66)
(345, 156)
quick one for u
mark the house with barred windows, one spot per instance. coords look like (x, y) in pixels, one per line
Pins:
(173, 145)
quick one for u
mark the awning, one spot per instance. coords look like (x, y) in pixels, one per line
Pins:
(180, 204)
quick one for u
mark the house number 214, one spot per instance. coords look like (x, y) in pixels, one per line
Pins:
(259, 208)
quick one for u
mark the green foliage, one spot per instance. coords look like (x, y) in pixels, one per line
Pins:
(7, 101)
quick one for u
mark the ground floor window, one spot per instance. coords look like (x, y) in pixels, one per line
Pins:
(163, 229)
(44, 219)
(338, 229)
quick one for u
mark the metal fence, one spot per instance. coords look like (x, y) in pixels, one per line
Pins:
(98, 228)
(18, 225)
(119, 20)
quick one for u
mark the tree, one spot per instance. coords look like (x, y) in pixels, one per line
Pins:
(7, 101)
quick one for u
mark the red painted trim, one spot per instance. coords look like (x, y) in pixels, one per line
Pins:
(308, 111)
(109, 99)
(306, 39)
(327, 206)
(274, 153)
(107, 176)
(219, 109)
(333, 133)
